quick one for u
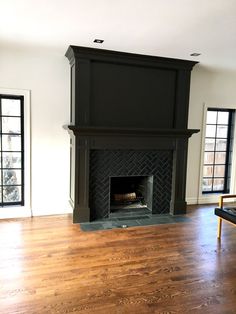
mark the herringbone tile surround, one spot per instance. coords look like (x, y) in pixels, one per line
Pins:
(107, 163)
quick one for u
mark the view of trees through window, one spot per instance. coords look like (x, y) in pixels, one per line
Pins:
(12, 148)
(217, 153)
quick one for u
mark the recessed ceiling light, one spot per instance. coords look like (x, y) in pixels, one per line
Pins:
(195, 54)
(98, 41)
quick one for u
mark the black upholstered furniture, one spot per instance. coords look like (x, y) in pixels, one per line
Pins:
(225, 213)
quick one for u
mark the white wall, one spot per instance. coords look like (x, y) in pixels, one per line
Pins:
(214, 89)
(46, 74)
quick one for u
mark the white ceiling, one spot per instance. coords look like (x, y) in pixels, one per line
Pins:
(171, 28)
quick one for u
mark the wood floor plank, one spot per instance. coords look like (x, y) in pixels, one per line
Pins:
(48, 265)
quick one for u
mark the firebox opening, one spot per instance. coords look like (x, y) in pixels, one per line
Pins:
(129, 193)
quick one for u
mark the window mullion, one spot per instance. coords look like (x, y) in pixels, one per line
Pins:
(1, 152)
(227, 151)
(214, 158)
(220, 148)
(13, 150)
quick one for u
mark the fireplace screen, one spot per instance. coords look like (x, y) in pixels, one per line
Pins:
(131, 192)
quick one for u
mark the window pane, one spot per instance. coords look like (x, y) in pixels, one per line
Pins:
(218, 184)
(222, 131)
(208, 171)
(12, 150)
(209, 144)
(218, 150)
(211, 117)
(220, 158)
(11, 142)
(11, 194)
(11, 107)
(11, 125)
(223, 117)
(207, 185)
(210, 131)
(221, 144)
(208, 158)
(11, 177)
(219, 171)
(11, 160)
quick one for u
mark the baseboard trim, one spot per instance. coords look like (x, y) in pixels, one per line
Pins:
(207, 199)
(192, 201)
(210, 199)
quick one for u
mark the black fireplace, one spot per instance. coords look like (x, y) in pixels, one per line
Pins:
(117, 171)
(129, 133)
(128, 193)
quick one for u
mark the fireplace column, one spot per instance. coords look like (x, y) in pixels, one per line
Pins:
(81, 212)
(178, 203)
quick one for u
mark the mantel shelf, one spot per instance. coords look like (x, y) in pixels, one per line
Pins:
(133, 132)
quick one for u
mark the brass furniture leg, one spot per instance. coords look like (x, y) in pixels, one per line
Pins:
(219, 228)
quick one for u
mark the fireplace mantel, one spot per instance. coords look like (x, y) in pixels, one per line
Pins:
(129, 132)
(127, 103)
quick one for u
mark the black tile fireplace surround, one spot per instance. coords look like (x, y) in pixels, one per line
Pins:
(107, 164)
(128, 118)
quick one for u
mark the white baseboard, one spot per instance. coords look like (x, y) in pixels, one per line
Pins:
(209, 199)
(50, 212)
(192, 201)
(22, 212)
(14, 212)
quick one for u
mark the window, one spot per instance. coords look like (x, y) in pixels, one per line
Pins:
(217, 151)
(12, 150)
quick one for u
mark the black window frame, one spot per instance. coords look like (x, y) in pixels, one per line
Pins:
(22, 185)
(228, 152)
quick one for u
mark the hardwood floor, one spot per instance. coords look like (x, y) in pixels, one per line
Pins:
(48, 265)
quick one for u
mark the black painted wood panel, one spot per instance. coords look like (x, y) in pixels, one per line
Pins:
(131, 96)
(127, 101)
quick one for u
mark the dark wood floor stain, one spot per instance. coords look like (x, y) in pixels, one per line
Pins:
(48, 265)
